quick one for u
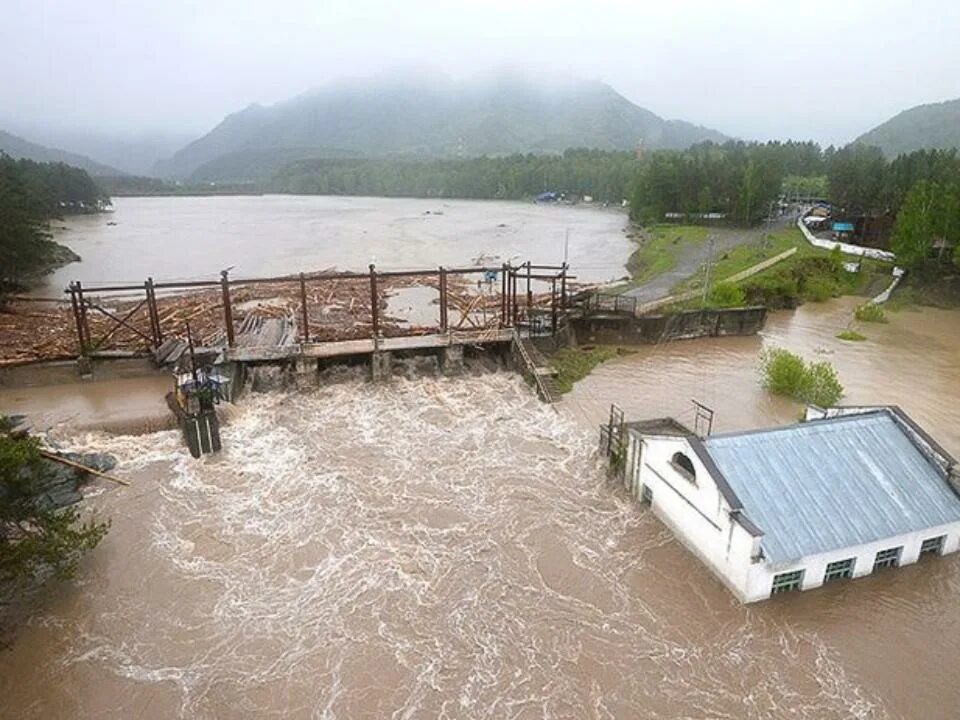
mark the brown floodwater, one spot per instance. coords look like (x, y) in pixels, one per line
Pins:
(189, 238)
(451, 548)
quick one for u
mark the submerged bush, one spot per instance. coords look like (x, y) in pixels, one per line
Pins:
(819, 288)
(784, 373)
(851, 335)
(870, 313)
(727, 295)
(573, 364)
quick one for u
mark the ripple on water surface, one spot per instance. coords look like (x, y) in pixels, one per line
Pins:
(427, 548)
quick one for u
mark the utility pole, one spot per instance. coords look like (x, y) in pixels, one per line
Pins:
(706, 277)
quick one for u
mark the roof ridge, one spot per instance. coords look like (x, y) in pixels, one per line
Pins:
(888, 412)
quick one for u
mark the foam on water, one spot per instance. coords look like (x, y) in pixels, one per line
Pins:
(425, 548)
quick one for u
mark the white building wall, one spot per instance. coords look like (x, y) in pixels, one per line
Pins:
(814, 566)
(696, 512)
(846, 248)
(699, 517)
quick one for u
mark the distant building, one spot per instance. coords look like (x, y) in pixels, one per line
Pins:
(547, 197)
(678, 216)
(842, 229)
(847, 493)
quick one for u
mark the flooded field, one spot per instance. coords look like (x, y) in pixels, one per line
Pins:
(451, 548)
(186, 238)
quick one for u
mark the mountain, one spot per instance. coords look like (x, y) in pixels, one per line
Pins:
(936, 125)
(426, 117)
(134, 153)
(17, 147)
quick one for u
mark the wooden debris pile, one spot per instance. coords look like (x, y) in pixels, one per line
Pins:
(337, 309)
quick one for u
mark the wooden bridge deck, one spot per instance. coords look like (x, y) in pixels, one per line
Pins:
(367, 346)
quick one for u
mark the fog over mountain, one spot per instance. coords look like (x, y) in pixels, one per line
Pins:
(133, 153)
(817, 70)
(428, 116)
(933, 126)
(18, 147)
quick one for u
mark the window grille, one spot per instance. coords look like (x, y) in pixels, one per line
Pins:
(932, 546)
(838, 570)
(889, 558)
(785, 582)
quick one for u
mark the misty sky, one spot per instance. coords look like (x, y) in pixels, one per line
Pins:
(821, 70)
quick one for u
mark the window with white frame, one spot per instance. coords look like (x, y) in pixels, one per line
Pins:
(932, 546)
(839, 570)
(889, 558)
(786, 582)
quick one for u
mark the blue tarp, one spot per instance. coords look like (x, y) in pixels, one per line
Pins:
(548, 197)
(843, 227)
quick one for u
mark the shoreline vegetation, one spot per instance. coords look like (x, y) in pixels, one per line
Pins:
(31, 195)
(43, 534)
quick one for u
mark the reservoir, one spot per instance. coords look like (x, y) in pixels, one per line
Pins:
(191, 238)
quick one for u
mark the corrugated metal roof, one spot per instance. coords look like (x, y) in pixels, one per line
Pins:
(834, 483)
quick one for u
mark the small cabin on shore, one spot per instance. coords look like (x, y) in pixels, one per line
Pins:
(849, 492)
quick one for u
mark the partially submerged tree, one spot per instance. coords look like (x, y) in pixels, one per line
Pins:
(785, 373)
(37, 536)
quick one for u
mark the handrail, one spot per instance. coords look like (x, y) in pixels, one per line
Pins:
(528, 361)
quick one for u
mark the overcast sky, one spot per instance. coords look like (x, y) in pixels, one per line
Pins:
(821, 70)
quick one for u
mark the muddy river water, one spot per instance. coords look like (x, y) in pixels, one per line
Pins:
(190, 238)
(450, 548)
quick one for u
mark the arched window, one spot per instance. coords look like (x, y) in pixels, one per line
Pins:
(684, 466)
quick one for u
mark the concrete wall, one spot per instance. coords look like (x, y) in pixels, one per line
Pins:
(846, 248)
(63, 372)
(627, 330)
(699, 517)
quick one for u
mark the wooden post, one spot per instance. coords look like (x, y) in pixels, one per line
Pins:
(305, 335)
(374, 302)
(563, 287)
(84, 320)
(504, 304)
(529, 290)
(443, 300)
(513, 296)
(553, 306)
(227, 309)
(77, 320)
(152, 312)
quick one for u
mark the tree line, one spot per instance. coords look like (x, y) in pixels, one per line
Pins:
(31, 194)
(606, 176)
(737, 180)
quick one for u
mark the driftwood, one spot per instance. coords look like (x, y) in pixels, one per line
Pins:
(33, 330)
(84, 468)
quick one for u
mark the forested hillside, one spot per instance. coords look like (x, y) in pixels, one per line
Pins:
(607, 176)
(925, 127)
(416, 118)
(31, 194)
(19, 148)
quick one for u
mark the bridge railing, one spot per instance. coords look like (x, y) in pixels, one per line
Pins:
(145, 315)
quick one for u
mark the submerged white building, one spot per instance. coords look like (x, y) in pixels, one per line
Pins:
(844, 494)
